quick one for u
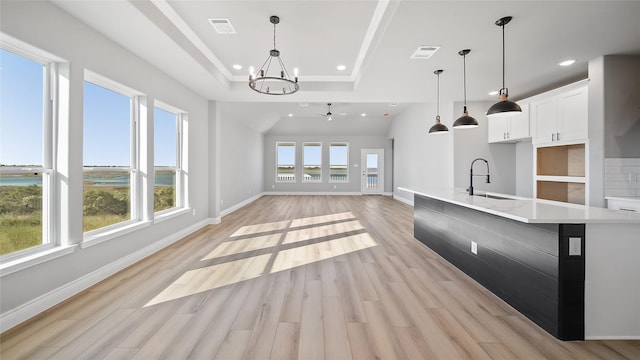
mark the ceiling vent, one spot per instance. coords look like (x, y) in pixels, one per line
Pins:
(425, 52)
(222, 26)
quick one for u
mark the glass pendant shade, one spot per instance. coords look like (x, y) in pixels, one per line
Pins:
(503, 107)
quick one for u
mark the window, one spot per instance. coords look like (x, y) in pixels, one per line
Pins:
(339, 162)
(285, 162)
(109, 157)
(25, 152)
(312, 162)
(167, 129)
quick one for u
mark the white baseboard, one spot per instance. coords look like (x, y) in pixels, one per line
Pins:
(404, 200)
(36, 306)
(609, 337)
(311, 193)
(387, 194)
(235, 207)
(215, 220)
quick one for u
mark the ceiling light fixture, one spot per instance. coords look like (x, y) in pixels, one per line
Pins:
(237, 66)
(329, 115)
(567, 62)
(363, 114)
(492, 93)
(438, 128)
(263, 83)
(341, 67)
(465, 121)
(504, 106)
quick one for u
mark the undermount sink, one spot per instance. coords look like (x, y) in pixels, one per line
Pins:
(493, 196)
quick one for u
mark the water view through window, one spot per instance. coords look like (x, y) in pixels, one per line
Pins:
(21, 153)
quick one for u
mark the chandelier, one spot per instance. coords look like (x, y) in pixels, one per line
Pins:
(263, 83)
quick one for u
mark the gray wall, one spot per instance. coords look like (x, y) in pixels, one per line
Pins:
(469, 144)
(43, 25)
(524, 169)
(622, 106)
(241, 158)
(421, 160)
(356, 143)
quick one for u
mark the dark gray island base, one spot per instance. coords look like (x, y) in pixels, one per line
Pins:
(527, 265)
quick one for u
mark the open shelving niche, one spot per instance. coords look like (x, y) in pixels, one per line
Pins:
(560, 173)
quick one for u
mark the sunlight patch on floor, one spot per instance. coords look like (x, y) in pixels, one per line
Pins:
(314, 220)
(260, 228)
(321, 231)
(212, 277)
(303, 255)
(233, 247)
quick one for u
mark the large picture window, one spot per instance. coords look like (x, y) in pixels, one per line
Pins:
(285, 162)
(25, 153)
(167, 153)
(339, 162)
(312, 162)
(109, 157)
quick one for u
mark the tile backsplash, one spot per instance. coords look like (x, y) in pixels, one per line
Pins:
(622, 177)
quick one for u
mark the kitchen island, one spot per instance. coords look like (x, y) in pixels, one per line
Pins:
(571, 269)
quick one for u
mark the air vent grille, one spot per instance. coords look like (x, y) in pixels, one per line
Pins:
(222, 26)
(425, 52)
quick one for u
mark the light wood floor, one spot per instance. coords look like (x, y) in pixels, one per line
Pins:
(286, 277)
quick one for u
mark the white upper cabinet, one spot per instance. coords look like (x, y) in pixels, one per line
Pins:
(561, 115)
(510, 128)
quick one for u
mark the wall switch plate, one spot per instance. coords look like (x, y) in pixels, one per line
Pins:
(474, 248)
(575, 246)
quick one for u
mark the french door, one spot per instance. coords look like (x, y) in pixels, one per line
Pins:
(372, 169)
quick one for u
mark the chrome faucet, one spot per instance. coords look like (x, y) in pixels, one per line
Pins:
(470, 189)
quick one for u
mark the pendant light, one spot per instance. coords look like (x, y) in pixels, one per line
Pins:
(503, 107)
(438, 128)
(465, 121)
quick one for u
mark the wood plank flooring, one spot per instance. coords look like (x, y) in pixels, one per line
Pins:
(295, 277)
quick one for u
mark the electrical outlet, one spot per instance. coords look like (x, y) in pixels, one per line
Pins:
(221, 202)
(474, 248)
(335, 186)
(273, 186)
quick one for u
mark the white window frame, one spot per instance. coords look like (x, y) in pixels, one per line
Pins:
(49, 123)
(304, 162)
(135, 198)
(278, 178)
(181, 192)
(338, 143)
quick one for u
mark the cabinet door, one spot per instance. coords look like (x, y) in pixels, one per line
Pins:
(573, 115)
(497, 129)
(519, 124)
(544, 116)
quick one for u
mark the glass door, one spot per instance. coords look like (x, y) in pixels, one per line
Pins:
(372, 181)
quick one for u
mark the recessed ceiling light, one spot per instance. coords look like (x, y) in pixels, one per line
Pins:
(304, 104)
(237, 66)
(492, 93)
(567, 62)
(341, 67)
(290, 115)
(363, 114)
(393, 104)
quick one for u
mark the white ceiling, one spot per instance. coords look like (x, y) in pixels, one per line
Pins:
(374, 40)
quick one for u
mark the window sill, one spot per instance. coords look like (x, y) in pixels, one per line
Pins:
(313, 182)
(338, 181)
(170, 214)
(40, 257)
(94, 238)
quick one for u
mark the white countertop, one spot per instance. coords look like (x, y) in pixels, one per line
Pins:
(528, 210)
(623, 198)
